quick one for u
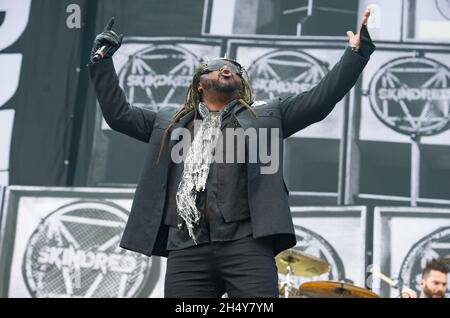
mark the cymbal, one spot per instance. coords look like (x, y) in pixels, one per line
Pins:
(301, 263)
(332, 289)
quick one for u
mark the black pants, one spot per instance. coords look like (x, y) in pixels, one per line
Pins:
(242, 268)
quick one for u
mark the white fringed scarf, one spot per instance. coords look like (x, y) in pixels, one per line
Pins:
(196, 166)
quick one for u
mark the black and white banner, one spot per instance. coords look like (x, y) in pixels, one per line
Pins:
(63, 242)
(407, 93)
(156, 72)
(282, 69)
(336, 235)
(404, 240)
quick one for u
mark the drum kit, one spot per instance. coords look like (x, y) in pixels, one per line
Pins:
(296, 263)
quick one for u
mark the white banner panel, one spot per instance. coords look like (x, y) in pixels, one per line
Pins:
(405, 93)
(64, 242)
(282, 69)
(404, 240)
(336, 235)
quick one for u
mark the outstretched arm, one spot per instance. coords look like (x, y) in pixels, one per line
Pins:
(133, 121)
(304, 109)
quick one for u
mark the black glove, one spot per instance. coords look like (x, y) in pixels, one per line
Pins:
(367, 47)
(108, 38)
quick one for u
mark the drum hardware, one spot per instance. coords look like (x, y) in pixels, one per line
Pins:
(296, 263)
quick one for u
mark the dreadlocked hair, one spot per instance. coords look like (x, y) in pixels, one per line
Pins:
(194, 97)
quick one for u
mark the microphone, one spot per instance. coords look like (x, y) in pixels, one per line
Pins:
(100, 54)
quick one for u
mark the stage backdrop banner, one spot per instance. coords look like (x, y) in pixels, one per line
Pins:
(404, 239)
(282, 69)
(64, 242)
(41, 57)
(156, 72)
(405, 94)
(336, 235)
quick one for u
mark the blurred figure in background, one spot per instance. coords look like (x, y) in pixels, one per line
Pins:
(433, 283)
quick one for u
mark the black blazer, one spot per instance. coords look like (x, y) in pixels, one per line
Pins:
(145, 231)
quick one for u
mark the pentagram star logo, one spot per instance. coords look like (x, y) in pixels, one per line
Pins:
(411, 96)
(158, 76)
(284, 73)
(74, 252)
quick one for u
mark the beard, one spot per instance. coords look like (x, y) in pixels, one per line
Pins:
(429, 294)
(227, 86)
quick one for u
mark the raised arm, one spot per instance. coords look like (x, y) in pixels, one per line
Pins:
(133, 121)
(304, 109)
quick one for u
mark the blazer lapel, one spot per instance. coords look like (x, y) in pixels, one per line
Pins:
(182, 122)
(245, 117)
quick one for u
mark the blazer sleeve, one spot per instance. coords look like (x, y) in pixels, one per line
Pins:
(306, 108)
(136, 122)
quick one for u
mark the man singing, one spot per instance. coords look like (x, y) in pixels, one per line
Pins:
(220, 223)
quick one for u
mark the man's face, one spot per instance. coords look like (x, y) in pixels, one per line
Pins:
(434, 285)
(225, 79)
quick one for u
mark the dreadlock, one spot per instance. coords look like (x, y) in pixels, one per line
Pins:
(194, 97)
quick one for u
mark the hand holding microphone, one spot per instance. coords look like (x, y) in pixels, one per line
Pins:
(106, 43)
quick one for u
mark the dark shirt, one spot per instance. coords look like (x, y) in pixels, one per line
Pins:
(214, 227)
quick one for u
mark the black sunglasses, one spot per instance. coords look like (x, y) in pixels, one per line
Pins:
(214, 65)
